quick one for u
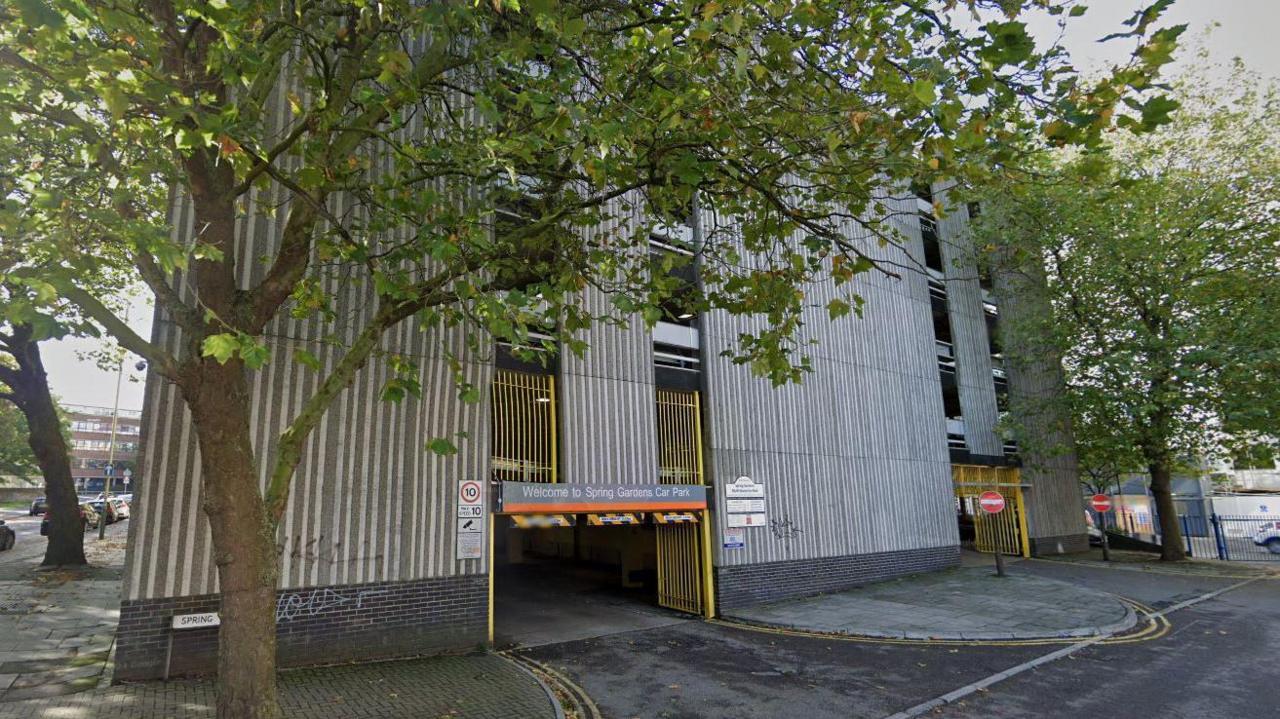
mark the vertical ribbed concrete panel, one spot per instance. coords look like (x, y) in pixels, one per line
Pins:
(974, 381)
(368, 502)
(853, 458)
(1046, 443)
(608, 401)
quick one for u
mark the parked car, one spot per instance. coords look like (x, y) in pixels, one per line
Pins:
(1095, 534)
(1268, 536)
(121, 507)
(88, 518)
(7, 536)
(107, 510)
(39, 506)
(89, 515)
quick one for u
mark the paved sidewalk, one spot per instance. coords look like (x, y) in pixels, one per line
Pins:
(965, 603)
(1145, 562)
(57, 625)
(475, 686)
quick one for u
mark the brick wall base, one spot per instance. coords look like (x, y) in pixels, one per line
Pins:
(315, 625)
(1064, 544)
(749, 584)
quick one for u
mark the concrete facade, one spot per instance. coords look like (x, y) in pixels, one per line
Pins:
(854, 459)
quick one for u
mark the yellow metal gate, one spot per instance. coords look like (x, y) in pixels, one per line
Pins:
(679, 575)
(524, 427)
(684, 547)
(1005, 531)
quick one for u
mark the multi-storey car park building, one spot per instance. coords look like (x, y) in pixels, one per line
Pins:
(652, 467)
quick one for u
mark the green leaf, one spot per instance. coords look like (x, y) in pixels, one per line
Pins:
(306, 359)
(442, 447)
(37, 14)
(925, 91)
(1155, 112)
(221, 347)
(255, 354)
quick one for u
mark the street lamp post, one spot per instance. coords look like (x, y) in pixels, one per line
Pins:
(111, 451)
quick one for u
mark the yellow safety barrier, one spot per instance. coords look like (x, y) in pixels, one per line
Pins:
(674, 517)
(542, 521)
(605, 520)
(1005, 531)
(524, 427)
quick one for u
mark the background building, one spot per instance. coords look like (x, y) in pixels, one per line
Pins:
(91, 446)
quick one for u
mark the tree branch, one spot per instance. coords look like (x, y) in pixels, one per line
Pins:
(161, 360)
(430, 293)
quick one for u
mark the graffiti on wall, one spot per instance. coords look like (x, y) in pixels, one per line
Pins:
(310, 602)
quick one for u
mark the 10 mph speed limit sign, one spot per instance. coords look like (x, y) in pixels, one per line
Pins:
(470, 499)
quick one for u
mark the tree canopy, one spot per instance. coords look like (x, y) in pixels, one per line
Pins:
(794, 120)
(1163, 262)
(16, 458)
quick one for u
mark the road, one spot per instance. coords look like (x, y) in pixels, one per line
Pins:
(28, 546)
(1216, 660)
(28, 541)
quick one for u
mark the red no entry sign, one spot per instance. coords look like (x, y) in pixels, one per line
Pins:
(991, 502)
(1100, 503)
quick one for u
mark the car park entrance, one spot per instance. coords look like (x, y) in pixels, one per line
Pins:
(573, 574)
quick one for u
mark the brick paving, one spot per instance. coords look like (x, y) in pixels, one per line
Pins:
(968, 603)
(474, 686)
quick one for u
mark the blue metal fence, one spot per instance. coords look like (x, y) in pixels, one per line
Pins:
(1242, 538)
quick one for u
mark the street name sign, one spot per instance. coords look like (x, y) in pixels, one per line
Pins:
(196, 621)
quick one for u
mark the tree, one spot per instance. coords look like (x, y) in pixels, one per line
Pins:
(1163, 261)
(15, 454)
(450, 157)
(25, 386)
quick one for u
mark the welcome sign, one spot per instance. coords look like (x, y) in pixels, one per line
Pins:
(527, 497)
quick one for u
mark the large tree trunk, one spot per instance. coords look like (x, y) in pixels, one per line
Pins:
(1171, 541)
(30, 388)
(243, 540)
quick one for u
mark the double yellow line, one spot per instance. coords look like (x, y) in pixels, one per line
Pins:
(1153, 628)
(574, 700)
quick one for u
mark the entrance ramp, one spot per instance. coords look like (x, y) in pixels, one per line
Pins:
(542, 603)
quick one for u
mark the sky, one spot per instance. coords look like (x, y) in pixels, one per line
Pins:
(1244, 28)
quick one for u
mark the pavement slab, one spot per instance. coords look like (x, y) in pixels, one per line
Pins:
(963, 604)
(58, 623)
